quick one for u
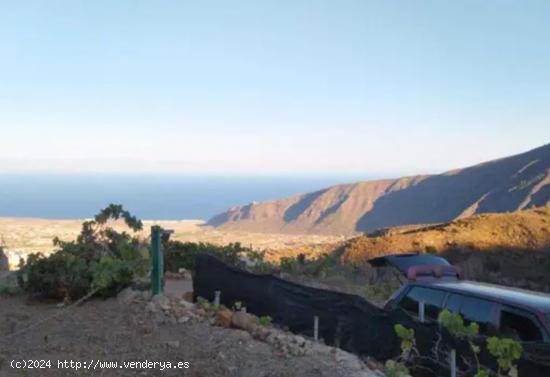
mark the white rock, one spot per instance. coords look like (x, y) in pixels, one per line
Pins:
(127, 295)
(173, 343)
(299, 340)
(161, 301)
(186, 304)
(183, 319)
(348, 360)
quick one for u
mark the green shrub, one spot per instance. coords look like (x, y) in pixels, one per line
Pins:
(179, 254)
(398, 368)
(506, 351)
(289, 264)
(379, 292)
(61, 275)
(259, 264)
(407, 338)
(9, 290)
(318, 267)
(265, 320)
(100, 259)
(182, 254)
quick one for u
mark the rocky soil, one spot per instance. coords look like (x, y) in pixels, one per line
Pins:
(134, 327)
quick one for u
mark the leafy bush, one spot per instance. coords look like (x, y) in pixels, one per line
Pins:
(506, 352)
(289, 264)
(317, 267)
(8, 290)
(265, 320)
(407, 338)
(454, 324)
(61, 275)
(380, 292)
(258, 264)
(398, 368)
(394, 368)
(100, 259)
(182, 254)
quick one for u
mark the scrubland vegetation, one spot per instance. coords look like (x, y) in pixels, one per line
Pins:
(104, 259)
(505, 351)
(101, 260)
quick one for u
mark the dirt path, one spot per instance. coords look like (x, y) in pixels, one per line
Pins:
(111, 330)
(177, 287)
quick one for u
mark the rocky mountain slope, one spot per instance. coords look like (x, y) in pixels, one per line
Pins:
(507, 248)
(503, 185)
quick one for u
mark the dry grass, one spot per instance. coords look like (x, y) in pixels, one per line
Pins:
(522, 230)
(509, 248)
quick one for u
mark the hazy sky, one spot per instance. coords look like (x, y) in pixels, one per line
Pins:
(271, 87)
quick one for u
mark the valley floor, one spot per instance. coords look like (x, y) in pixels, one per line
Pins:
(21, 236)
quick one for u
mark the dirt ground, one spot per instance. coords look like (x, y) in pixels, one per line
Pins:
(109, 330)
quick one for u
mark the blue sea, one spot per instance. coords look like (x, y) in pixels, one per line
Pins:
(152, 197)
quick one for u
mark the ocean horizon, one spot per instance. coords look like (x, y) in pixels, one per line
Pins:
(150, 197)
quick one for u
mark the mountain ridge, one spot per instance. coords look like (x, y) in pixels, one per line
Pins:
(502, 185)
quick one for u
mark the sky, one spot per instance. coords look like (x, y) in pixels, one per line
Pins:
(274, 87)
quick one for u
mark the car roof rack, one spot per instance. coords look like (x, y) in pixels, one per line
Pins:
(432, 271)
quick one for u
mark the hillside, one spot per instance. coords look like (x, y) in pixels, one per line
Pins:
(507, 248)
(122, 337)
(503, 185)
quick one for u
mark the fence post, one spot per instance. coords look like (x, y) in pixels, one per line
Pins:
(421, 311)
(158, 263)
(316, 328)
(453, 363)
(217, 297)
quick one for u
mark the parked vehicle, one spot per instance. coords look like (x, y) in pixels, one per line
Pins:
(502, 311)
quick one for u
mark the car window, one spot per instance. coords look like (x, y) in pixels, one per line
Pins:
(472, 309)
(432, 298)
(519, 325)
(453, 302)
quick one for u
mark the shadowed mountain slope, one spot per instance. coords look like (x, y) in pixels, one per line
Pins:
(504, 248)
(507, 184)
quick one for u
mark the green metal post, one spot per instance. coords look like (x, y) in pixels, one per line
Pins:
(158, 263)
